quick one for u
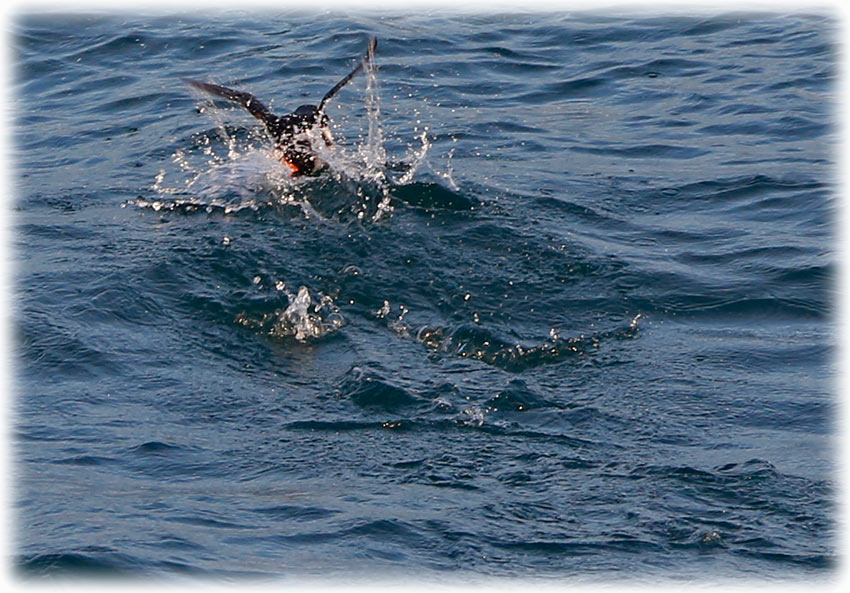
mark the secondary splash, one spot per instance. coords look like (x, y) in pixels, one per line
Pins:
(306, 317)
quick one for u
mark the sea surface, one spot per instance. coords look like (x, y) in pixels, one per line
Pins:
(561, 307)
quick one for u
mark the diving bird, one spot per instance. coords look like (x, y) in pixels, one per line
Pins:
(288, 131)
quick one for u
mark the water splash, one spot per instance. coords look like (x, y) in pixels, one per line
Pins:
(305, 318)
(416, 161)
(233, 169)
(207, 180)
(363, 170)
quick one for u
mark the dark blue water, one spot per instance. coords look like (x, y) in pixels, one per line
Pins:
(562, 307)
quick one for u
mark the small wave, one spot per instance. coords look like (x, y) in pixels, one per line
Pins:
(741, 482)
(91, 460)
(579, 548)
(335, 425)
(369, 390)
(106, 563)
(740, 187)
(83, 564)
(646, 151)
(154, 448)
(431, 196)
(57, 345)
(302, 514)
(518, 398)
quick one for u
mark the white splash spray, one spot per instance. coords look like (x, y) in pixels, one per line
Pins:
(232, 172)
(306, 318)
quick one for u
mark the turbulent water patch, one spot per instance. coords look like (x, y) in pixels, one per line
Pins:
(469, 341)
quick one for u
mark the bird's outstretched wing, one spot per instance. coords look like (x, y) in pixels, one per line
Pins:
(370, 52)
(248, 101)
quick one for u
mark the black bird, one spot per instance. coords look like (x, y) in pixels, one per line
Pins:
(287, 131)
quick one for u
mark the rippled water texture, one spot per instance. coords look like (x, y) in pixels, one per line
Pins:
(561, 307)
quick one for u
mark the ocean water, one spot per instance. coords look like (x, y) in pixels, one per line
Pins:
(561, 307)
